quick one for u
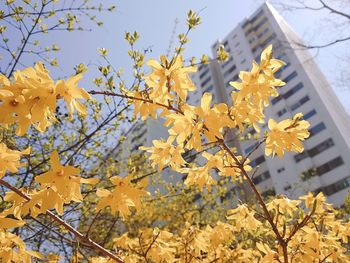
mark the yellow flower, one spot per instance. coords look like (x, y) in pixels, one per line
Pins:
(14, 107)
(39, 92)
(10, 223)
(32, 97)
(171, 75)
(13, 249)
(9, 159)
(71, 93)
(286, 135)
(165, 154)
(124, 196)
(63, 180)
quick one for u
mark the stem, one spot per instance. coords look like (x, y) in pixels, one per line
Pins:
(26, 39)
(106, 93)
(71, 229)
(267, 214)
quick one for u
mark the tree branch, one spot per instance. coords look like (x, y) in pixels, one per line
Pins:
(71, 229)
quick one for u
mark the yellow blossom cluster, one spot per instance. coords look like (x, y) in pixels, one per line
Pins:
(31, 98)
(13, 249)
(286, 135)
(194, 127)
(123, 198)
(10, 159)
(280, 230)
(58, 186)
(247, 237)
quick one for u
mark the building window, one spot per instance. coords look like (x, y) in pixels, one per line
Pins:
(315, 150)
(206, 81)
(209, 89)
(261, 177)
(309, 114)
(317, 128)
(288, 187)
(257, 161)
(230, 71)
(299, 103)
(280, 170)
(322, 169)
(270, 192)
(300, 156)
(337, 186)
(306, 175)
(263, 32)
(202, 75)
(290, 76)
(202, 66)
(257, 16)
(276, 99)
(268, 40)
(321, 147)
(281, 112)
(260, 24)
(292, 91)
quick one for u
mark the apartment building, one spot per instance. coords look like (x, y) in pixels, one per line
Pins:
(325, 163)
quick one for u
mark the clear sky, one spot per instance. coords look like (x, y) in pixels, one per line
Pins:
(154, 20)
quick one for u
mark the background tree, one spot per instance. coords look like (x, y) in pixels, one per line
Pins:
(332, 18)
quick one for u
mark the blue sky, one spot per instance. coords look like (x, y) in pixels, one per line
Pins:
(154, 20)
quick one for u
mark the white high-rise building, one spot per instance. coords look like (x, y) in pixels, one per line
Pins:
(325, 163)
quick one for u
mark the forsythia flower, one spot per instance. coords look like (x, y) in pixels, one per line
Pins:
(122, 198)
(170, 75)
(286, 135)
(244, 219)
(71, 93)
(31, 98)
(163, 248)
(165, 153)
(259, 84)
(63, 180)
(9, 159)
(13, 249)
(199, 176)
(9, 223)
(214, 118)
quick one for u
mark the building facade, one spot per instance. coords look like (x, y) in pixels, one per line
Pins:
(325, 163)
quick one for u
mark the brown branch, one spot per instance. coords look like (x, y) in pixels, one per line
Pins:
(324, 260)
(324, 45)
(151, 244)
(92, 222)
(252, 151)
(268, 216)
(106, 93)
(68, 227)
(298, 226)
(26, 39)
(332, 10)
